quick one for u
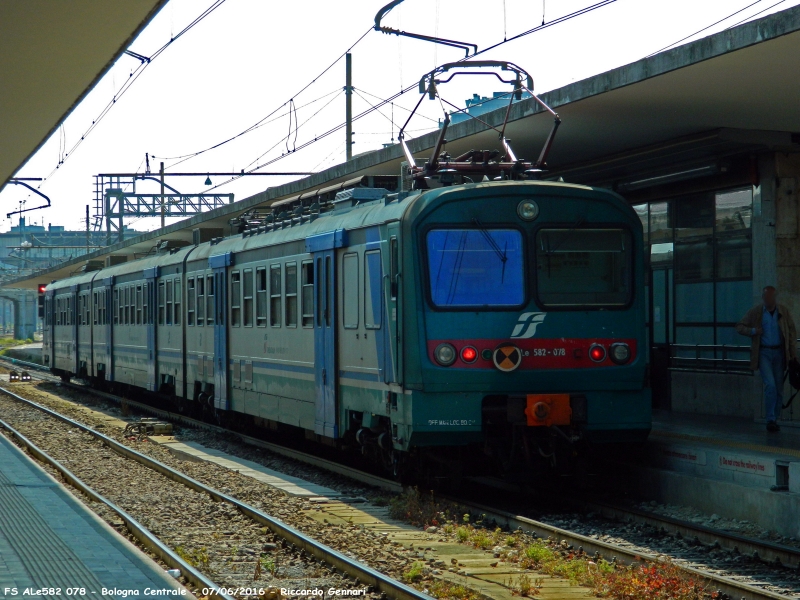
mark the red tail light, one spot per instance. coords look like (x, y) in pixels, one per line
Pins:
(597, 353)
(469, 354)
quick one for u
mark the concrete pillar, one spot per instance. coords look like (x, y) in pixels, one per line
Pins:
(765, 270)
(787, 230)
(25, 315)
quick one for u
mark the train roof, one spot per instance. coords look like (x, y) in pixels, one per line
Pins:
(356, 210)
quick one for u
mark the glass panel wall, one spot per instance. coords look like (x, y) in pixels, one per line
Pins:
(706, 239)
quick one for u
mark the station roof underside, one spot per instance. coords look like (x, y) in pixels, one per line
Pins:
(730, 91)
(53, 55)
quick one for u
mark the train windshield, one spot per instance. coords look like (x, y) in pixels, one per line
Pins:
(476, 267)
(583, 267)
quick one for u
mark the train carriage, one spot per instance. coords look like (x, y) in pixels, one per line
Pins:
(503, 316)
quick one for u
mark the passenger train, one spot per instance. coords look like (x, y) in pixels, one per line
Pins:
(500, 318)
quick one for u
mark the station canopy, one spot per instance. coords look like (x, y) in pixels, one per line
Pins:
(53, 55)
(729, 92)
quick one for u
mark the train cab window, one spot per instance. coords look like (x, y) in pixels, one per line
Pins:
(476, 268)
(291, 295)
(210, 299)
(261, 297)
(580, 268)
(170, 301)
(350, 290)
(190, 301)
(394, 267)
(177, 307)
(247, 297)
(308, 294)
(236, 299)
(162, 302)
(275, 295)
(373, 290)
(201, 301)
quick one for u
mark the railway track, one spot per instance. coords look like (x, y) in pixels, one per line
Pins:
(762, 550)
(352, 567)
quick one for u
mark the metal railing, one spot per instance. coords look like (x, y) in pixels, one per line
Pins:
(710, 358)
(716, 358)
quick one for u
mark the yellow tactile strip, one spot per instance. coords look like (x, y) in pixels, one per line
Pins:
(726, 443)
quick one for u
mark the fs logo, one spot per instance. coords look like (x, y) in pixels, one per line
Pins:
(532, 320)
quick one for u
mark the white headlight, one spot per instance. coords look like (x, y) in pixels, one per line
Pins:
(620, 353)
(528, 210)
(445, 354)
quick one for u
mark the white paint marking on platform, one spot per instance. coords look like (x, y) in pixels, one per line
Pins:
(293, 486)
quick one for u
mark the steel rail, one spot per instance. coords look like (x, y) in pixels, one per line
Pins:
(382, 483)
(142, 534)
(767, 551)
(367, 575)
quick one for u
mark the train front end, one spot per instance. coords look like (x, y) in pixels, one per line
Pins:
(524, 328)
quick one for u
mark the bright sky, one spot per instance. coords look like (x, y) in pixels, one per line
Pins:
(248, 58)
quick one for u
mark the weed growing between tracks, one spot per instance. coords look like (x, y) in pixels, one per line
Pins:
(607, 579)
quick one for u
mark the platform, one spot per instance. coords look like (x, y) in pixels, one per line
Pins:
(290, 485)
(730, 466)
(49, 539)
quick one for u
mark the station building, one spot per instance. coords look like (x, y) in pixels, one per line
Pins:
(703, 140)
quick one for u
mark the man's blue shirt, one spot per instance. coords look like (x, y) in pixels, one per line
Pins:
(771, 334)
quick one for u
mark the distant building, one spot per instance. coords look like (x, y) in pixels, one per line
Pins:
(27, 248)
(478, 105)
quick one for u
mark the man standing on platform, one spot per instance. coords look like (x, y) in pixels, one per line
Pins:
(772, 345)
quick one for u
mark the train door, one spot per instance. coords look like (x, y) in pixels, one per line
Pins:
(392, 292)
(374, 317)
(50, 321)
(108, 320)
(151, 293)
(74, 312)
(325, 344)
(219, 264)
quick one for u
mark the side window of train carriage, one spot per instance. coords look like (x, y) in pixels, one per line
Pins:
(162, 302)
(308, 293)
(201, 301)
(139, 305)
(126, 305)
(94, 308)
(236, 299)
(373, 290)
(350, 290)
(116, 306)
(190, 301)
(210, 299)
(261, 297)
(247, 297)
(147, 293)
(176, 320)
(170, 301)
(275, 295)
(291, 294)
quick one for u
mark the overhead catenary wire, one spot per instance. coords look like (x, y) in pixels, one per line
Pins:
(134, 75)
(691, 35)
(272, 113)
(393, 97)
